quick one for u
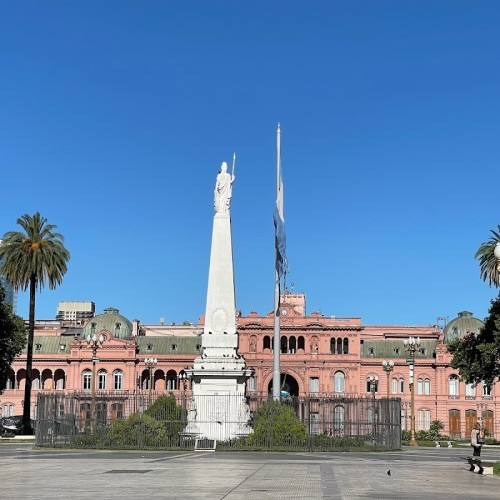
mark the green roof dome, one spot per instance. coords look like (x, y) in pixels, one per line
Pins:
(461, 325)
(111, 321)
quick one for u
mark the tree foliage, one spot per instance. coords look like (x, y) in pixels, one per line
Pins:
(477, 356)
(159, 427)
(276, 422)
(30, 259)
(489, 270)
(12, 338)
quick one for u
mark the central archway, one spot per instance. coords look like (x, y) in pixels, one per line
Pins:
(288, 384)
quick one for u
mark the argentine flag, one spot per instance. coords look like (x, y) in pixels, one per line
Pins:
(279, 218)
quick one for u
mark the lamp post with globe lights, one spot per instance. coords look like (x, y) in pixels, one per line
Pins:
(150, 364)
(411, 346)
(388, 367)
(94, 342)
(183, 378)
(373, 380)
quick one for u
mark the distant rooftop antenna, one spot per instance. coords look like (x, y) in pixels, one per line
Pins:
(162, 320)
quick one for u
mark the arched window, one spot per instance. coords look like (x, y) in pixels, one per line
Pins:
(292, 345)
(339, 346)
(332, 345)
(395, 385)
(453, 385)
(370, 383)
(284, 344)
(11, 380)
(301, 343)
(346, 345)
(338, 418)
(267, 342)
(60, 379)
(427, 386)
(401, 385)
(420, 386)
(171, 380)
(35, 380)
(46, 379)
(487, 418)
(454, 423)
(86, 380)
(470, 421)
(117, 380)
(102, 377)
(339, 382)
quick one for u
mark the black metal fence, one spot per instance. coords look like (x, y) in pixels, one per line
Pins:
(149, 420)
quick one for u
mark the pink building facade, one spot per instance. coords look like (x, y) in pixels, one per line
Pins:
(319, 355)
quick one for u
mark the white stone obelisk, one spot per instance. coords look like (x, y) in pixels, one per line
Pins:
(218, 408)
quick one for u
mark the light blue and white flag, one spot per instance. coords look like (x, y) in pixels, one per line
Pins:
(279, 218)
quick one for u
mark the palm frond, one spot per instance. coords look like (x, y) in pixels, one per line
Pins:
(37, 253)
(488, 263)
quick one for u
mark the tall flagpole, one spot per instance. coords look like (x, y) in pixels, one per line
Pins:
(277, 343)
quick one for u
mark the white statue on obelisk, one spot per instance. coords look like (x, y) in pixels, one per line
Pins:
(223, 188)
(218, 408)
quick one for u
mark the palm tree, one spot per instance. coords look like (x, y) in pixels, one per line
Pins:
(31, 259)
(490, 266)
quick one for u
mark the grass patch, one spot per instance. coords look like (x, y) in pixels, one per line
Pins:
(496, 469)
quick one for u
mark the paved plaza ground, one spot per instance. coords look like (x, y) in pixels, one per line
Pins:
(416, 473)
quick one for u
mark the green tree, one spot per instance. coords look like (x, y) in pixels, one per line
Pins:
(166, 410)
(276, 422)
(435, 429)
(12, 338)
(32, 258)
(476, 356)
(490, 270)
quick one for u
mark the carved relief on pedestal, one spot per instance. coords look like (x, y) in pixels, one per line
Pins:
(220, 321)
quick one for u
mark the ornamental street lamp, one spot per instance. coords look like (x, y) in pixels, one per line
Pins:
(94, 342)
(411, 346)
(150, 364)
(404, 406)
(183, 378)
(388, 367)
(373, 380)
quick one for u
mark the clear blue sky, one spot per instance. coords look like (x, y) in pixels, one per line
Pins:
(115, 117)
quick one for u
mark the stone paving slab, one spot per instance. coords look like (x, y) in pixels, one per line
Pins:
(415, 474)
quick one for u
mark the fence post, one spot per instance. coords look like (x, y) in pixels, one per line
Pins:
(308, 405)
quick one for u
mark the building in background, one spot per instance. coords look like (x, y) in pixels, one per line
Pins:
(77, 311)
(321, 355)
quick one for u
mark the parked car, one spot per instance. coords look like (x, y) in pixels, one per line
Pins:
(13, 424)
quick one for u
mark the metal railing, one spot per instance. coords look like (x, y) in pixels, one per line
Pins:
(152, 420)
